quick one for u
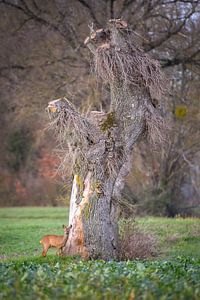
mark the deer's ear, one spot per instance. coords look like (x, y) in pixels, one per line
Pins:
(70, 226)
(63, 226)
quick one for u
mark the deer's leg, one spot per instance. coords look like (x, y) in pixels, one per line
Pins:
(59, 252)
(45, 249)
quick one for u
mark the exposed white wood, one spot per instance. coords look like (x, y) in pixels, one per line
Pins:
(73, 199)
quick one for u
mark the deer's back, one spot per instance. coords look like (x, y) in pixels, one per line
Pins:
(52, 240)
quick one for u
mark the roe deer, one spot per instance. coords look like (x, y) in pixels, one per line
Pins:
(57, 241)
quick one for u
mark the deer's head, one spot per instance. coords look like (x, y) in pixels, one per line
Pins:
(66, 230)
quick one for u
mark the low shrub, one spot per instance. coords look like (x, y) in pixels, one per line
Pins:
(134, 243)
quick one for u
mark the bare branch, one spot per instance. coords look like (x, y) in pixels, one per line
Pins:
(112, 9)
(172, 32)
(28, 12)
(90, 10)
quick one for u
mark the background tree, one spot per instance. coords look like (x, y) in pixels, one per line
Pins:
(43, 57)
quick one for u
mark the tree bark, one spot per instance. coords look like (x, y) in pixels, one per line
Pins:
(76, 240)
(94, 232)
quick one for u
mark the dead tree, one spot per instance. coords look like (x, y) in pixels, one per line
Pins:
(100, 144)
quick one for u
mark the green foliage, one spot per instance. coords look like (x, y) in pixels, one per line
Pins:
(72, 278)
(24, 274)
(19, 144)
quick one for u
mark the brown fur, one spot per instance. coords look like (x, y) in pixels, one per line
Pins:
(57, 241)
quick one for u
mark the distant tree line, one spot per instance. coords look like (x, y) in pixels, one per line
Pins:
(43, 57)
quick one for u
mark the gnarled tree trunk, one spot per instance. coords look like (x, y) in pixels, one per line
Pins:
(101, 144)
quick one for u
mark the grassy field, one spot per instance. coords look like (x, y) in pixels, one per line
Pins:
(24, 274)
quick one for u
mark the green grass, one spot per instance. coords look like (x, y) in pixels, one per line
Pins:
(22, 228)
(176, 236)
(24, 274)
